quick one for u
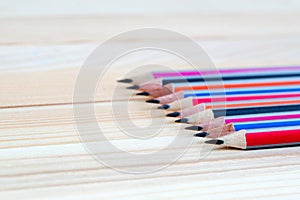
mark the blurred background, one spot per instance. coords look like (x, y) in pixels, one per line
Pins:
(92, 20)
(233, 32)
(143, 7)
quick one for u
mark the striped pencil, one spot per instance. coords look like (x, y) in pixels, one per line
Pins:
(208, 115)
(166, 99)
(226, 101)
(221, 121)
(189, 112)
(226, 129)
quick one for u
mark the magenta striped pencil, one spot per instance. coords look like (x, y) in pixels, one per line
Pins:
(221, 121)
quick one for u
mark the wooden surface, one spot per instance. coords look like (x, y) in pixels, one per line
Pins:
(41, 155)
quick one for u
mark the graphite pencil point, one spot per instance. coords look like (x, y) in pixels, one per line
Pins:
(173, 114)
(152, 101)
(214, 141)
(194, 128)
(164, 107)
(182, 120)
(143, 94)
(202, 134)
(126, 80)
(134, 87)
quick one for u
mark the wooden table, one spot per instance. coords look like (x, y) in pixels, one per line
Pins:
(41, 154)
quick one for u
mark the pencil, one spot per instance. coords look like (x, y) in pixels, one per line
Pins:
(226, 129)
(196, 101)
(210, 86)
(264, 124)
(228, 92)
(159, 83)
(239, 104)
(270, 75)
(208, 115)
(163, 74)
(242, 91)
(141, 78)
(263, 102)
(176, 87)
(261, 138)
(220, 121)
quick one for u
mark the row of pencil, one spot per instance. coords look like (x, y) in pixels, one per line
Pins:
(246, 108)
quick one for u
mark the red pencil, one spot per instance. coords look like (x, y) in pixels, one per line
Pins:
(261, 138)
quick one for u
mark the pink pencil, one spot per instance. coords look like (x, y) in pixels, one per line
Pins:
(155, 85)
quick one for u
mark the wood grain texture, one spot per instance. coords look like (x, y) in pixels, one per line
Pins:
(51, 30)
(42, 155)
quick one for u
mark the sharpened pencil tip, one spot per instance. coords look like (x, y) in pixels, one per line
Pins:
(214, 141)
(134, 87)
(152, 101)
(143, 94)
(182, 120)
(164, 107)
(194, 128)
(173, 114)
(126, 80)
(202, 134)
